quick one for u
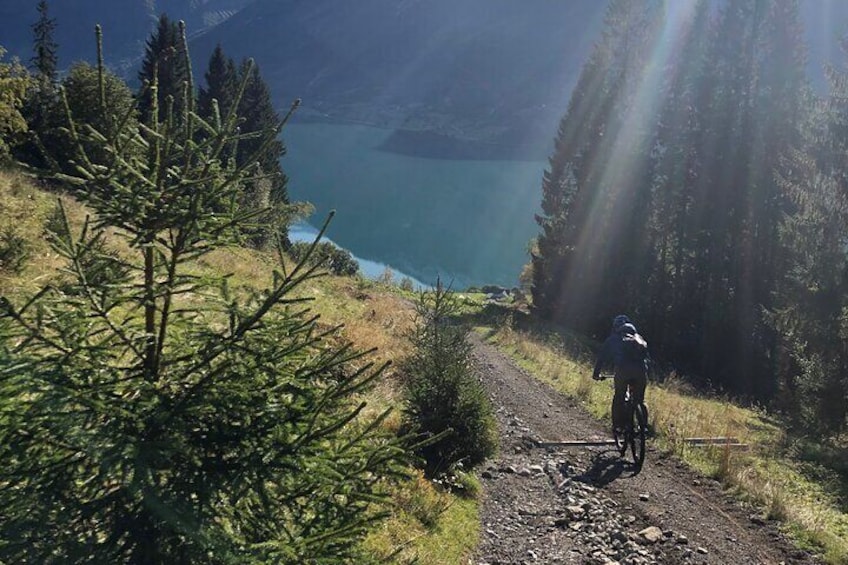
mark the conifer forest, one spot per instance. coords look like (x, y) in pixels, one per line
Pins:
(704, 193)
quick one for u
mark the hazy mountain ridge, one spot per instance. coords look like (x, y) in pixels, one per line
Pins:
(480, 70)
(126, 26)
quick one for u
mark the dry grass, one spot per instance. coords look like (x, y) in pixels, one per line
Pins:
(23, 213)
(25, 210)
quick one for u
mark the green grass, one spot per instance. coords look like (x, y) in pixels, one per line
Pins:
(427, 526)
(802, 484)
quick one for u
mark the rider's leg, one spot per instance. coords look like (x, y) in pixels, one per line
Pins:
(619, 418)
(638, 383)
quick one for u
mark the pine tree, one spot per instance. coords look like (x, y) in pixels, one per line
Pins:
(257, 108)
(752, 111)
(729, 114)
(810, 312)
(166, 64)
(45, 59)
(778, 110)
(148, 415)
(41, 104)
(676, 165)
(444, 399)
(669, 210)
(268, 189)
(221, 85)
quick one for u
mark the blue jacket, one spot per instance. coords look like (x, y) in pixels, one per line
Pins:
(612, 351)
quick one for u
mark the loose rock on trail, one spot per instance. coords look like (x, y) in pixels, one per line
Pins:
(585, 505)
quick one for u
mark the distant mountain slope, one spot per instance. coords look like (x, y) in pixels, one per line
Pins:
(126, 25)
(471, 69)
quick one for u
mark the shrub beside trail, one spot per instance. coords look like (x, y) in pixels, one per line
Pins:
(444, 399)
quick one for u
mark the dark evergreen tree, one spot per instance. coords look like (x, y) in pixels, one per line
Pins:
(257, 109)
(166, 65)
(267, 190)
(676, 166)
(221, 85)
(667, 206)
(756, 79)
(40, 107)
(45, 60)
(810, 312)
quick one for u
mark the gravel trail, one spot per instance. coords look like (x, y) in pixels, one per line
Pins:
(584, 505)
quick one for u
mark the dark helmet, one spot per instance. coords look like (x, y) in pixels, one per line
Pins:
(619, 321)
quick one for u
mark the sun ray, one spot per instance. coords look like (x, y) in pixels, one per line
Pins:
(615, 177)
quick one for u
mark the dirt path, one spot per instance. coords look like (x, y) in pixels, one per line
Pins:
(584, 506)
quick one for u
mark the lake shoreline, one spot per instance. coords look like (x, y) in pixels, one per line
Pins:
(467, 221)
(432, 144)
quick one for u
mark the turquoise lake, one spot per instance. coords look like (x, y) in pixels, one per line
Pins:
(467, 221)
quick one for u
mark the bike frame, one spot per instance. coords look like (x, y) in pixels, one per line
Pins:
(634, 435)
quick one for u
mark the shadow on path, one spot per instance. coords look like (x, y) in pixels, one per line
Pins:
(608, 466)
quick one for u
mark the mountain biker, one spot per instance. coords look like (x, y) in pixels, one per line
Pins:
(628, 370)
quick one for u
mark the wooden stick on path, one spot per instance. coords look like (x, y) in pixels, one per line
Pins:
(576, 443)
(710, 440)
(693, 441)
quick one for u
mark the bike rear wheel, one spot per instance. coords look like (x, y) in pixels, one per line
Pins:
(637, 437)
(622, 435)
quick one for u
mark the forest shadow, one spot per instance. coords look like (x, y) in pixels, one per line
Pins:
(824, 463)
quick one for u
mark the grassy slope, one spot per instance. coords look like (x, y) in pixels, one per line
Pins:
(805, 486)
(427, 525)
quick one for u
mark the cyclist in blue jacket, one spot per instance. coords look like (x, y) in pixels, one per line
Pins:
(630, 369)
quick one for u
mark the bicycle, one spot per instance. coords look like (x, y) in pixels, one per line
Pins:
(635, 431)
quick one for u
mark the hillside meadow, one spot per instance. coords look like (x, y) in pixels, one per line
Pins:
(427, 524)
(798, 483)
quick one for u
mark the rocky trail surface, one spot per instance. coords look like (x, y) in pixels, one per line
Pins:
(585, 505)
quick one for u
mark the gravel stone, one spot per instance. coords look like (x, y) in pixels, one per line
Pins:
(651, 535)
